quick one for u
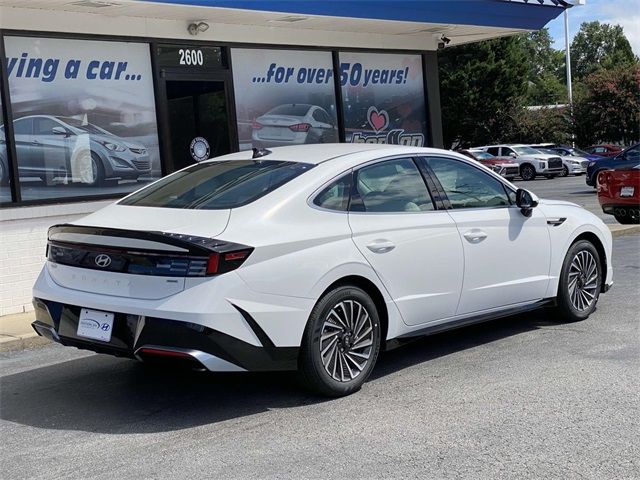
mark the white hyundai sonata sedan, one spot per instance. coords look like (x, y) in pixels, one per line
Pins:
(314, 258)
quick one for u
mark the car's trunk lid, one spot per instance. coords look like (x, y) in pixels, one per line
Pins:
(135, 252)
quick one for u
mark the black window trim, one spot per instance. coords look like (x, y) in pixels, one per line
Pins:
(439, 188)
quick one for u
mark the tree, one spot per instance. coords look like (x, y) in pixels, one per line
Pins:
(546, 90)
(481, 83)
(542, 58)
(546, 70)
(607, 106)
(546, 124)
(599, 46)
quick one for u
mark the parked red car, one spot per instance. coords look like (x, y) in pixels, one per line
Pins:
(619, 193)
(604, 150)
(504, 166)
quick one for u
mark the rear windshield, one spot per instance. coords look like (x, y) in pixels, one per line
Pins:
(297, 110)
(217, 185)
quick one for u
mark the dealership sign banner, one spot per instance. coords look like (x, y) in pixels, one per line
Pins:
(383, 98)
(284, 97)
(87, 110)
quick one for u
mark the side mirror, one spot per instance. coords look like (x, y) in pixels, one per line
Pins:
(526, 201)
(512, 155)
(60, 131)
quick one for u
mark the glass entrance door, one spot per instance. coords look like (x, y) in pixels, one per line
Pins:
(198, 119)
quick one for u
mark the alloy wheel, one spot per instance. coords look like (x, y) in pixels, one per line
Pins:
(583, 280)
(528, 173)
(346, 340)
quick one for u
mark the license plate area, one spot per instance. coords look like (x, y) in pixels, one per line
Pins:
(95, 324)
(627, 191)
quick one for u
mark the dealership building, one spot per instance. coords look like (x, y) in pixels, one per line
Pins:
(99, 97)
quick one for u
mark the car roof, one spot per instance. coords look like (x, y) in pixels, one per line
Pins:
(505, 145)
(319, 153)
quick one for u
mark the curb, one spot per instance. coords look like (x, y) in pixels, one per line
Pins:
(22, 342)
(620, 230)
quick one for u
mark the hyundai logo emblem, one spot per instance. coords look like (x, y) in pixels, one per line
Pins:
(103, 260)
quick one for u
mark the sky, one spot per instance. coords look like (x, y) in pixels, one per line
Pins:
(620, 12)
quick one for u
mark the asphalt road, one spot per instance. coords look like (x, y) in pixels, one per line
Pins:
(571, 189)
(516, 398)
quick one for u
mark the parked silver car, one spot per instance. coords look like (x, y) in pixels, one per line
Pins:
(52, 147)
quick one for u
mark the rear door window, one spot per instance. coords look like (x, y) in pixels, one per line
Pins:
(24, 126)
(393, 186)
(217, 185)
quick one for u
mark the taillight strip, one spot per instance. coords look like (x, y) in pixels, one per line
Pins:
(202, 257)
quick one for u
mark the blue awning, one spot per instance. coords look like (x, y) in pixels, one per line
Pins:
(516, 14)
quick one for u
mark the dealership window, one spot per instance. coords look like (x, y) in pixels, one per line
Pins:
(284, 97)
(84, 116)
(383, 98)
(5, 171)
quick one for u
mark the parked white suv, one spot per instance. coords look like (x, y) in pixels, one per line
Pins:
(531, 161)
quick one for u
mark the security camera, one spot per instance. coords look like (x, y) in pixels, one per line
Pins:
(443, 42)
(197, 27)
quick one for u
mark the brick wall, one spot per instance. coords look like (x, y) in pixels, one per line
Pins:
(23, 238)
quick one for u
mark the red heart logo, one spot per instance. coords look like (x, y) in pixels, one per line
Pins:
(378, 119)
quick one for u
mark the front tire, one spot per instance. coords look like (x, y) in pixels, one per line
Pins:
(580, 283)
(565, 171)
(527, 172)
(341, 342)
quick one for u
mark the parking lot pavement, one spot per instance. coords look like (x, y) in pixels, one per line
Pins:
(570, 189)
(516, 398)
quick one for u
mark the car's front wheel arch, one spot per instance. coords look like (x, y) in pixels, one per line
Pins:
(595, 241)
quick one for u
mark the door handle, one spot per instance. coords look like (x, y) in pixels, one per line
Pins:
(475, 236)
(381, 246)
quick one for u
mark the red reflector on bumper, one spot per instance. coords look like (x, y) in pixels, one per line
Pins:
(164, 353)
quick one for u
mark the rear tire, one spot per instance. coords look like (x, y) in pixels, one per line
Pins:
(341, 342)
(580, 283)
(527, 172)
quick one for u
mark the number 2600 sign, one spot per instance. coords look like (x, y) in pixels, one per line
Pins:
(191, 57)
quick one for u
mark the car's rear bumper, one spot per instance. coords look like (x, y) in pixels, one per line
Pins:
(614, 208)
(142, 337)
(577, 169)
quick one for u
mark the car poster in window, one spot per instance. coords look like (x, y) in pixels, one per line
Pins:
(383, 98)
(284, 97)
(5, 171)
(83, 116)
